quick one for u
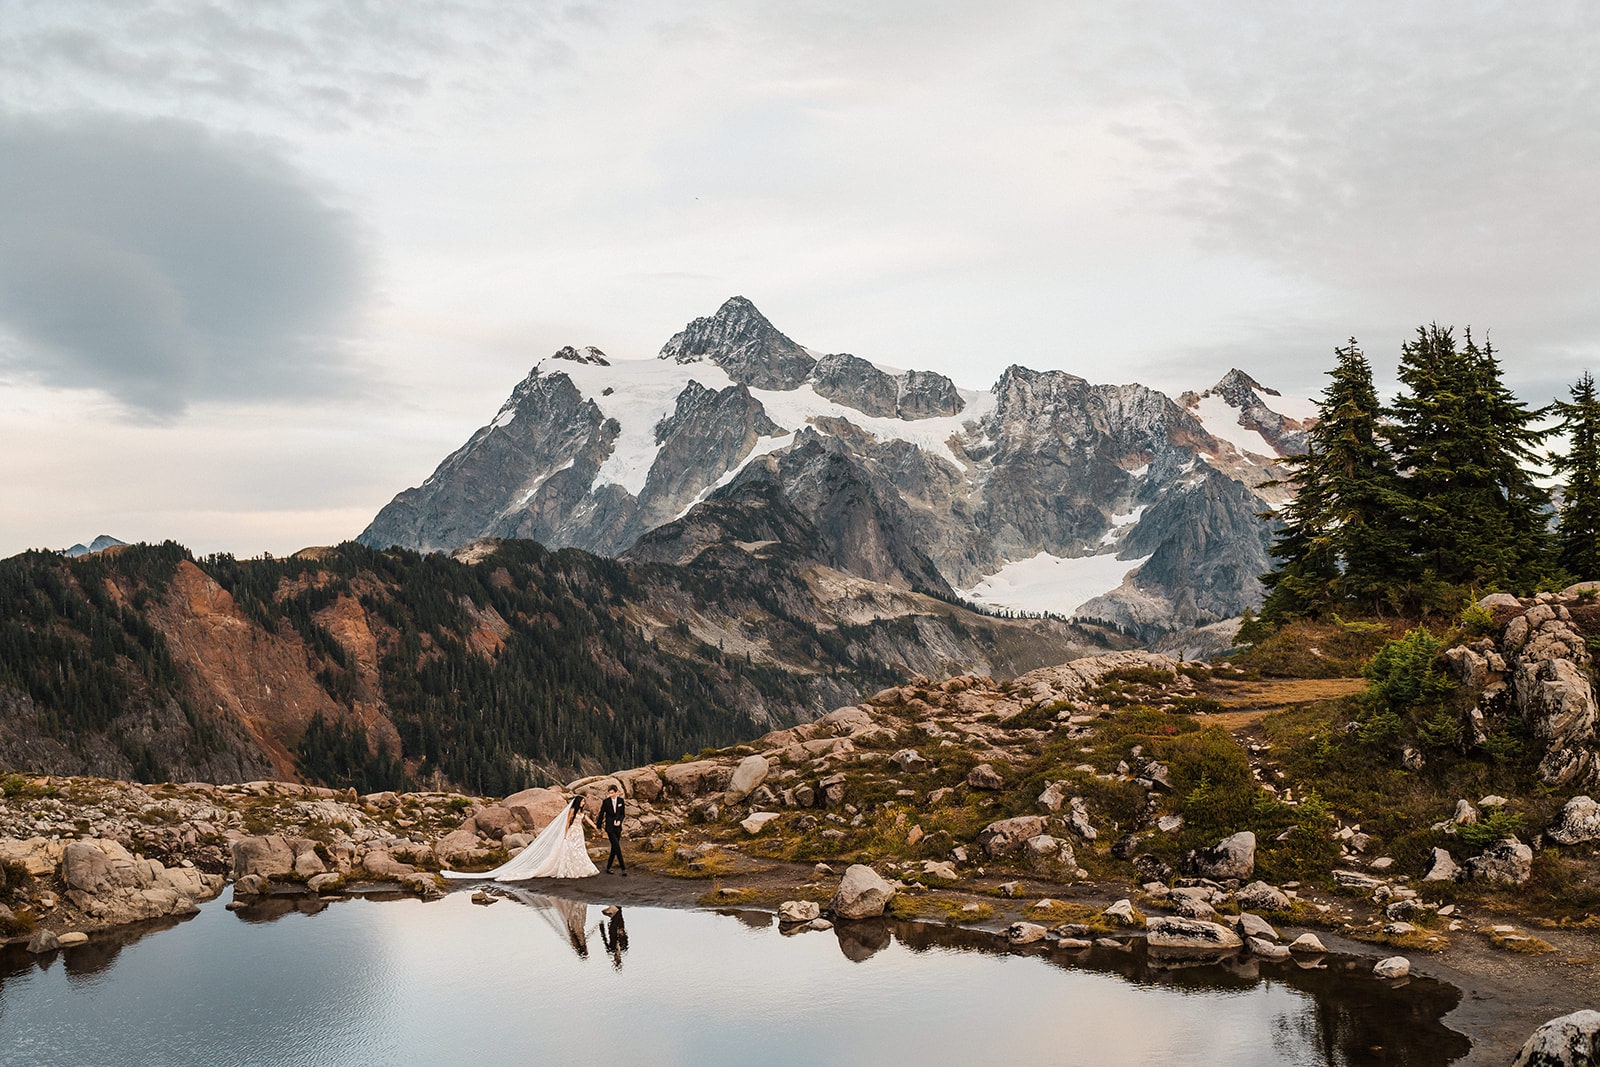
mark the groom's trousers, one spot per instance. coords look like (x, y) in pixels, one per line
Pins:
(616, 849)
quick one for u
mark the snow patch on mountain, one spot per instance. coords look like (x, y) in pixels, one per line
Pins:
(1046, 583)
(1221, 420)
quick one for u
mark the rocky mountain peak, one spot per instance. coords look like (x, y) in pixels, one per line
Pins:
(740, 340)
(99, 544)
(1249, 406)
(590, 355)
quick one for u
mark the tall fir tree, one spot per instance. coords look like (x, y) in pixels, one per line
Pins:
(1466, 448)
(1579, 538)
(1339, 535)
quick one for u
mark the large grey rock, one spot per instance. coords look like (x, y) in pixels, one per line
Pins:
(984, 776)
(270, 856)
(1174, 936)
(1392, 967)
(1569, 1041)
(747, 777)
(1259, 896)
(1232, 857)
(798, 911)
(43, 941)
(1550, 687)
(862, 894)
(696, 778)
(1579, 822)
(1006, 837)
(1506, 862)
(1025, 933)
(1442, 868)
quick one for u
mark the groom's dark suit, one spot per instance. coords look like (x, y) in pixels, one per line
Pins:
(612, 812)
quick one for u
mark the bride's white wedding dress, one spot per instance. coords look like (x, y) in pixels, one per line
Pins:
(558, 852)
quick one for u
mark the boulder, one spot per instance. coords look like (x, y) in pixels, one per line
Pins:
(696, 778)
(93, 866)
(1250, 925)
(1259, 896)
(270, 857)
(1393, 967)
(1442, 868)
(1570, 1041)
(1122, 913)
(1078, 820)
(1053, 796)
(832, 790)
(534, 808)
(72, 938)
(1232, 857)
(1506, 862)
(1578, 823)
(1007, 837)
(984, 776)
(1266, 949)
(459, 846)
(942, 870)
(757, 821)
(798, 911)
(747, 777)
(1308, 944)
(318, 882)
(383, 866)
(43, 941)
(1024, 933)
(1195, 908)
(1174, 936)
(908, 759)
(37, 855)
(862, 894)
(1041, 845)
(641, 783)
(1500, 602)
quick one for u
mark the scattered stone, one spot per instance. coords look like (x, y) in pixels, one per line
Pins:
(1569, 1041)
(43, 941)
(72, 938)
(1506, 862)
(1168, 824)
(757, 821)
(941, 869)
(1022, 933)
(1122, 913)
(1393, 967)
(1152, 869)
(1250, 925)
(1232, 857)
(1008, 836)
(1259, 896)
(1307, 943)
(1355, 880)
(1078, 820)
(1113, 944)
(1172, 936)
(819, 924)
(1382, 863)
(984, 776)
(1443, 868)
(747, 777)
(1195, 908)
(1053, 796)
(1399, 929)
(1074, 944)
(1010, 889)
(1578, 823)
(1266, 949)
(480, 897)
(823, 870)
(798, 911)
(862, 894)
(908, 759)
(1041, 846)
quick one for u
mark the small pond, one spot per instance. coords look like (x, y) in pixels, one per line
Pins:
(540, 979)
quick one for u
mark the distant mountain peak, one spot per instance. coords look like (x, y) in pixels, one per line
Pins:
(590, 355)
(740, 340)
(99, 544)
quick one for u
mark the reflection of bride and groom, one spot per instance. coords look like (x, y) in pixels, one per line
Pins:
(560, 850)
(570, 918)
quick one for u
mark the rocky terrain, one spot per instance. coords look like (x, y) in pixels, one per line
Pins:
(1144, 508)
(1084, 806)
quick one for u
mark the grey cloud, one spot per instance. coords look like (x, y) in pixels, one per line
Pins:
(164, 264)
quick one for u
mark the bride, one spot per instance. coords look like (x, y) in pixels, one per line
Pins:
(558, 852)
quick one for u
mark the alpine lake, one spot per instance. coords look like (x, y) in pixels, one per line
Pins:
(541, 979)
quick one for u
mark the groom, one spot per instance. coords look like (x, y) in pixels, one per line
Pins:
(612, 811)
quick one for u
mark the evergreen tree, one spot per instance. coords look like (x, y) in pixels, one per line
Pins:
(1465, 447)
(1580, 509)
(1339, 537)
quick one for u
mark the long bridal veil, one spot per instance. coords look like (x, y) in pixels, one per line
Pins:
(558, 852)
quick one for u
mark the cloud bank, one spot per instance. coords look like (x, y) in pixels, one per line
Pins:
(163, 263)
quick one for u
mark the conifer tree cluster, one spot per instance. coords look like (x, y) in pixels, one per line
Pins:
(1405, 508)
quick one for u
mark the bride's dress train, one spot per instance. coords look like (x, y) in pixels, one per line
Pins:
(558, 852)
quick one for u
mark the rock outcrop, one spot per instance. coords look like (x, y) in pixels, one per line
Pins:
(1570, 1041)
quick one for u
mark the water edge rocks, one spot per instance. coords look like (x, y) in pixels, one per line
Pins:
(862, 894)
(1569, 1041)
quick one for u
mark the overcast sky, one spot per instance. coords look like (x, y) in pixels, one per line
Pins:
(262, 265)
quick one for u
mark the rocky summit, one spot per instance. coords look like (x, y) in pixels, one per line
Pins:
(1046, 493)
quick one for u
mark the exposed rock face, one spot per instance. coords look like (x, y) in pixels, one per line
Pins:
(862, 894)
(1541, 669)
(1173, 936)
(1569, 1041)
(747, 777)
(740, 340)
(112, 886)
(1044, 462)
(1244, 394)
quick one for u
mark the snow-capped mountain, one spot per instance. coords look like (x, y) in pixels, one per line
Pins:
(1046, 493)
(99, 544)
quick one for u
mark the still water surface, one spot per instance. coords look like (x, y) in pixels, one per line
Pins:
(535, 979)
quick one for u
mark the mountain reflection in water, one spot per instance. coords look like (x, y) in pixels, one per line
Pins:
(294, 981)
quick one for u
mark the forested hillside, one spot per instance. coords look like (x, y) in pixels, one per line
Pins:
(508, 666)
